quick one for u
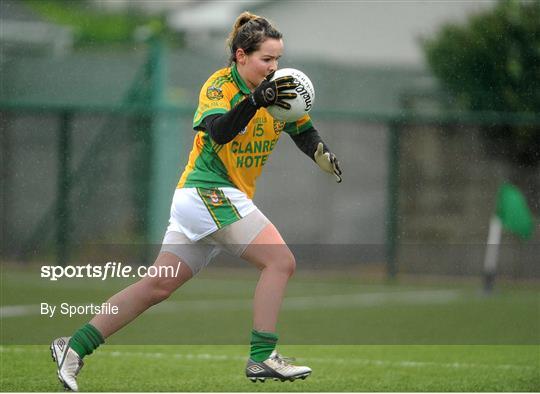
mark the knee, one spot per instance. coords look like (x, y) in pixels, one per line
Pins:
(291, 265)
(286, 264)
(159, 289)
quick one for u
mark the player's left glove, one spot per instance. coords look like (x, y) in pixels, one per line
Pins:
(328, 162)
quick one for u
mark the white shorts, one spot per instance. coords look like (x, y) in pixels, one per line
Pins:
(197, 212)
(208, 239)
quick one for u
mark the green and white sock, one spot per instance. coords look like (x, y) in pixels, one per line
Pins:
(86, 340)
(262, 345)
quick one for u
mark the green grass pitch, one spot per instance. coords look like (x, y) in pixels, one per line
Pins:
(357, 334)
(129, 368)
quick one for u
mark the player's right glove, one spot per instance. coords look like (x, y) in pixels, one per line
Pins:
(328, 162)
(274, 92)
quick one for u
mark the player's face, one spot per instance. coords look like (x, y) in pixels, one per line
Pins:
(256, 66)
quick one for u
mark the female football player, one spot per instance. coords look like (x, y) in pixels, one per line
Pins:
(212, 208)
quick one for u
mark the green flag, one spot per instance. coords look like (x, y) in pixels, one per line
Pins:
(513, 211)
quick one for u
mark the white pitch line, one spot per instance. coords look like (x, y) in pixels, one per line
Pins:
(335, 301)
(18, 310)
(328, 360)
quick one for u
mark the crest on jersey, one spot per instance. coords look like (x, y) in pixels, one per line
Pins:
(214, 93)
(278, 126)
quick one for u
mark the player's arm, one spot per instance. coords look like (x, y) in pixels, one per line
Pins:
(224, 127)
(311, 143)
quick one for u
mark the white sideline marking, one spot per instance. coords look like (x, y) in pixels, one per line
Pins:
(329, 360)
(18, 310)
(422, 297)
(416, 297)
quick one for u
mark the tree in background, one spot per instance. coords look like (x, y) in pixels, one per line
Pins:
(96, 27)
(492, 63)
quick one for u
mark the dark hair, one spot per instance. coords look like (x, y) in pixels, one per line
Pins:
(249, 32)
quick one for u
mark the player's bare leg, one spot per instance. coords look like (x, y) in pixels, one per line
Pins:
(135, 299)
(131, 302)
(272, 256)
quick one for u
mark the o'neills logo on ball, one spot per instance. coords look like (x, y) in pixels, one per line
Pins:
(301, 91)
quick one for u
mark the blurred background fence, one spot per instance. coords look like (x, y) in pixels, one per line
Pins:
(94, 141)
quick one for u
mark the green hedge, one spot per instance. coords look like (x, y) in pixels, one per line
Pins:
(92, 26)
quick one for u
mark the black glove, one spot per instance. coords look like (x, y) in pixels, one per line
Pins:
(273, 92)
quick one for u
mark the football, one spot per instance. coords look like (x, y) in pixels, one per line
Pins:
(303, 102)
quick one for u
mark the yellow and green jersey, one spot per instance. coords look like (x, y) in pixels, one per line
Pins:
(239, 162)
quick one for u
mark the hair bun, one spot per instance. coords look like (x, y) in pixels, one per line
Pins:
(244, 18)
(249, 36)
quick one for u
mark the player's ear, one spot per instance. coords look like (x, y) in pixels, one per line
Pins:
(241, 56)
